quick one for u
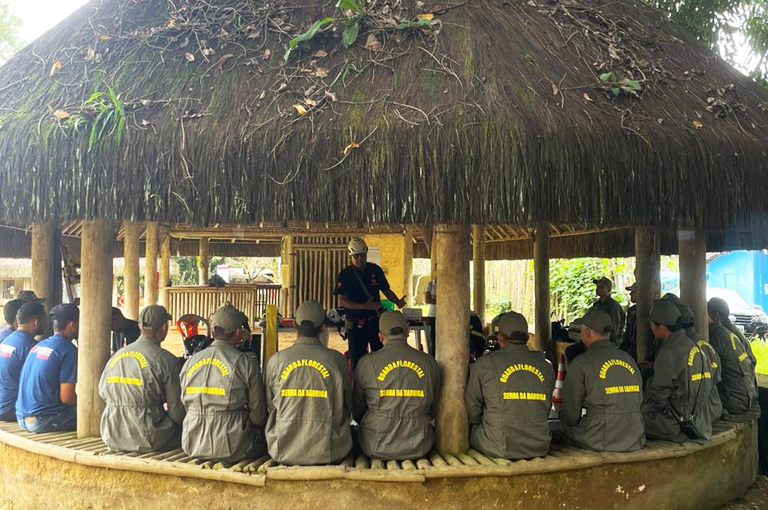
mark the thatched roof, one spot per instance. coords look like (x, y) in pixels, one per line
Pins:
(487, 111)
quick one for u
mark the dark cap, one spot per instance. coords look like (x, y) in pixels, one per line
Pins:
(605, 282)
(665, 312)
(228, 319)
(29, 296)
(671, 297)
(685, 313)
(598, 321)
(65, 312)
(312, 311)
(392, 323)
(719, 305)
(153, 317)
(512, 322)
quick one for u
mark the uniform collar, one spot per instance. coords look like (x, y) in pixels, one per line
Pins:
(307, 340)
(600, 344)
(515, 347)
(223, 344)
(396, 342)
(674, 337)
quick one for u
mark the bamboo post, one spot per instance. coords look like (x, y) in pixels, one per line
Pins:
(270, 335)
(42, 261)
(408, 267)
(433, 254)
(95, 322)
(131, 272)
(692, 246)
(647, 283)
(164, 276)
(478, 271)
(205, 260)
(150, 264)
(541, 276)
(453, 334)
(286, 275)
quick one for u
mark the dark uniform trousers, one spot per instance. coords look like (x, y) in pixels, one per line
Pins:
(364, 332)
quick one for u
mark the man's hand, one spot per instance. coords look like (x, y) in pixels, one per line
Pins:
(400, 303)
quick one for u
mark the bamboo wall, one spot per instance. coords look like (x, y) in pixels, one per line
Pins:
(204, 301)
(316, 263)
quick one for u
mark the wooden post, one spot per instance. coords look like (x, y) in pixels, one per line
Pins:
(453, 334)
(150, 264)
(692, 246)
(541, 282)
(42, 260)
(286, 277)
(270, 334)
(478, 271)
(202, 271)
(95, 322)
(131, 271)
(647, 282)
(433, 254)
(164, 276)
(408, 267)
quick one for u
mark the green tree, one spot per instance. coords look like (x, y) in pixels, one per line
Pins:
(10, 39)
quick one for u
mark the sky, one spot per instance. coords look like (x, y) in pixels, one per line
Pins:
(38, 16)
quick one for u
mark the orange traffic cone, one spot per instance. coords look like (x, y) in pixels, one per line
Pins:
(557, 400)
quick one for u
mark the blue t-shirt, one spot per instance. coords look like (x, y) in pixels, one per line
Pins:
(13, 352)
(5, 333)
(50, 364)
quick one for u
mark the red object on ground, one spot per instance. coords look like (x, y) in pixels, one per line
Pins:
(188, 325)
(557, 400)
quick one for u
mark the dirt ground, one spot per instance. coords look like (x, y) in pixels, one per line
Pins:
(756, 497)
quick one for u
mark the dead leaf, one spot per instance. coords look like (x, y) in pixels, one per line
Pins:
(171, 24)
(267, 53)
(55, 68)
(223, 33)
(283, 86)
(207, 52)
(61, 114)
(427, 17)
(263, 94)
(254, 35)
(587, 98)
(698, 124)
(321, 72)
(419, 4)
(145, 122)
(320, 54)
(190, 57)
(330, 95)
(349, 148)
(555, 90)
(372, 43)
(300, 109)
(310, 102)
(223, 60)
(104, 38)
(144, 102)
(90, 54)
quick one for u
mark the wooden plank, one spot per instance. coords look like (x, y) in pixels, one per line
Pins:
(252, 466)
(383, 475)
(453, 461)
(436, 459)
(480, 458)
(393, 465)
(408, 465)
(306, 473)
(423, 464)
(361, 462)
(266, 465)
(467, 460)
(377, 464)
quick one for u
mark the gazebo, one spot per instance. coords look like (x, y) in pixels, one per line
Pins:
(600, 124)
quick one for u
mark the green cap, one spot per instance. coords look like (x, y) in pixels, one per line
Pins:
(598, 321)
(665, 312)
(512, 322)
(153, 316)
(29, 296)
(312, 311)
(685, 312)
(392, 323)
(671, 297)
(719, 305)
(605, 282)
(228, 319)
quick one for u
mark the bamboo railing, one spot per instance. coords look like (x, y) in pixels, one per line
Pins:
(204, 301)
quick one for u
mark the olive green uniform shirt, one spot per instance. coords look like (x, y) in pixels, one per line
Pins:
(737, 389)
(602, 397)
(715, 405)
(614, 309)
(748, 349)
(309, 397)
(508, 398)
(395, 400)
(136, 384)
(680, 385)
(223, 393)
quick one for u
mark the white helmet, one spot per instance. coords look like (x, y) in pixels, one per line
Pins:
(357, 246)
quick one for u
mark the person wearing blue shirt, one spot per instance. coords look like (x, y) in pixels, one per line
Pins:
(10, 309)
(47, 400)
(31, 322)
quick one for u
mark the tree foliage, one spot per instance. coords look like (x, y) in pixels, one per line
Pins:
(10, 40)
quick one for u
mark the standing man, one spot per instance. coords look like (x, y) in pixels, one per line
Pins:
(602, 393)
(509, 396)
(223, 394)
(629, 341)
(358, 287)
(737, 388)
(610, 306)
(309, 397)
(47, 400)
(10, 310)
(395, 395)
(13, 353)
(675, 404)
(140, 385)
(124, 331)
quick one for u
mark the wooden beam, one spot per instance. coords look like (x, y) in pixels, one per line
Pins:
(647, 282)
(150, 263)
(543, 319)
(42, 260)
(95, 322)
(205, 259)
(164, 270)
(453, 341)
(692, 246)
(478, 271)
(408, 267)
(131, 252)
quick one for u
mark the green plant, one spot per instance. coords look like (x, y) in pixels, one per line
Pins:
(631, 87)
(103, 114)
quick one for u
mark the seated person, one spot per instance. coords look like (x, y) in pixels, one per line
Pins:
(10, 310)
(139, 380)
(509, 396)
(676, 396)
(395, 395)
(714, 404)
(124, 331)
(31, 321)
(309, 397)
(223, 394)
(606, 383)
(737, 387)
(47, 399)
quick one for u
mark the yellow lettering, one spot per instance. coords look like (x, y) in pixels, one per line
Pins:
(615, 363)
(303, 393)
(196, 390)
(124, 380)
(401, 393)
(613, 390)
(305, 363)
(129, 355)
(518, 367)
(399, 364)
(223, 369)
(514, 395)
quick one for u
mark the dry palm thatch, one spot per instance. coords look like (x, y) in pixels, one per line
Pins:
(484, 111)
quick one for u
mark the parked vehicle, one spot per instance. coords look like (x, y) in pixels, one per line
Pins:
(751, 318)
